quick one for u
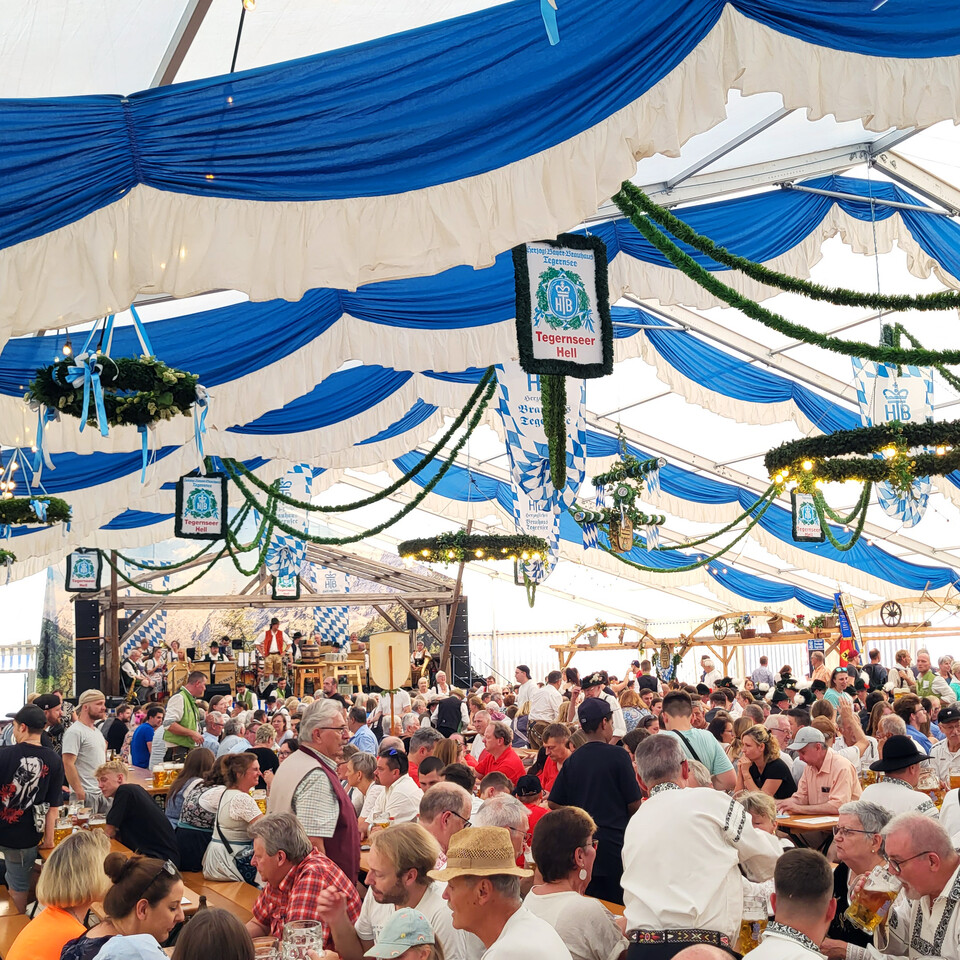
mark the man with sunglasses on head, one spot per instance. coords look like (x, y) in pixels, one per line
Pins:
(307, 785)
(921, 854)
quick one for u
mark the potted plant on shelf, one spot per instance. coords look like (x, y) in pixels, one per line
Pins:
(741, 625)
(775, 623)
(830, 620)
(601, 628)
(800, 621)
(816, 624)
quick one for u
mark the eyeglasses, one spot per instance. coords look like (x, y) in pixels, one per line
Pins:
(168, 867)
(897, 865)
(344, 729)
(466, 822)
(592, 842)
(845, 831)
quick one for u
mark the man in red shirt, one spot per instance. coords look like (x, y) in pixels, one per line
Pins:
(274, 647)
(294, 873)
(558, 746)
(498, 755)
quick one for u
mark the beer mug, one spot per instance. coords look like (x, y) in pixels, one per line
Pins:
(872, 901)
(300, 937)
(930, 784)
(62, 830)
(753, 924)
(955, 776)
(266, 948)
(98, 823)
(158, 776)
(260, 796)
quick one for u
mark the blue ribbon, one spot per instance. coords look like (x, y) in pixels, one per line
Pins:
(39, 507)
(42, 459)
(88, 373)
(548, 10)
(200, 409)
(6, 531)
(142, 430)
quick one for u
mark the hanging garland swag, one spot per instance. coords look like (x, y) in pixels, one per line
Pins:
(136, 390)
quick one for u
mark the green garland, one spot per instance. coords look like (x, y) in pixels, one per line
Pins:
(851, 348)
(828, 457)
(239, 467)
(628, 467)
(890, 336)
(136, 390)
(19, 510)
(553, 406)
(399, 515)
(859, 511)
(463, 547)
(7, 556)
(942, 300)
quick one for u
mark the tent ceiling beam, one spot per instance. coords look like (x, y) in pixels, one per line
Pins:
(639, 403)
(847, 326)
(838, 195)
(915, 177)
(723, 183)
(737, 141)
(680, 455)
(181, 41)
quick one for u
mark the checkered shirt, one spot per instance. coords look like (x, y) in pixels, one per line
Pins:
(295, 897)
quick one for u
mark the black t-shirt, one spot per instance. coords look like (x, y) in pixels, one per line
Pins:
(29, 775)
(141, 825)
(646, 682)
(775, 770)
(840, 927)
(599, 778)
(268, 761)
(116, 734)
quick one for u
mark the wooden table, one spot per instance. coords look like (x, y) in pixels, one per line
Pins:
(798, 827)
(144, 778)
(115, 847)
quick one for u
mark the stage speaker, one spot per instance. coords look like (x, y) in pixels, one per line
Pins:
(412, 622)
(87, 661)
(460, 648)
(217, 690)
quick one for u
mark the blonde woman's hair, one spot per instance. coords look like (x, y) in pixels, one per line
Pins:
(112, 766)
(265, 734)
(758, 804)
(73, 873)
(771, 749)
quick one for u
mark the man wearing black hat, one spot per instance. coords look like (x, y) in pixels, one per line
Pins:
(897, 792)
(779, 702)
(273, 648)
(32, 791)
(593, 689)
(599, 778)
(52, 708)
(945, 754)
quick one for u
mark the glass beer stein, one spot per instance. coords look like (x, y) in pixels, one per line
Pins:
(872, 902)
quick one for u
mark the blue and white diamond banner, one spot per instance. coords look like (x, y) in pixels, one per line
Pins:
(287, 553)
(332, 624)
(887, 393)
(536, 504)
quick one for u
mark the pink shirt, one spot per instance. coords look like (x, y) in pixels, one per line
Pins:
(835, 783)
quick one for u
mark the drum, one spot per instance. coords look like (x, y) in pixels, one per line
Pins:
(310, 653)
(226, 673)
(248, 676)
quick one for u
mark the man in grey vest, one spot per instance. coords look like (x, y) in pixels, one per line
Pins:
(306, 785)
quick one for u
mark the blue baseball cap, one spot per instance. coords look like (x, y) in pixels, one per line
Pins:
(405, 929)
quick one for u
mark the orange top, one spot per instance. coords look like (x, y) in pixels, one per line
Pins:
(45, 936)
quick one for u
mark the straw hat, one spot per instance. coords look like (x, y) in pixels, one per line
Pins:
(480, 852)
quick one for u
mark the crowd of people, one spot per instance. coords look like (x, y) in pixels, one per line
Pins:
(592, 818)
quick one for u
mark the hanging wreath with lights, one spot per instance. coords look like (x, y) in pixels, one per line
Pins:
(15, 511)
(843, 455)
(134, 391)
(463, 547)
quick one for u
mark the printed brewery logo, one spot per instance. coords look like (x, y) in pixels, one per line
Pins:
(807, 513)
(83, 568)
(201, 504)
(562, 301)
(896, 404)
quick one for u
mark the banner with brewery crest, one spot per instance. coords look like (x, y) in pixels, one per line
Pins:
(84, 570)
(201, 506)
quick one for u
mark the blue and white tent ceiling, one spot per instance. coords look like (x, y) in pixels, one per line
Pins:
(415, 153)
(257, 358)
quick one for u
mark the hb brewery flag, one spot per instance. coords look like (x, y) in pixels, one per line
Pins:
(536, 504)
(287, 553)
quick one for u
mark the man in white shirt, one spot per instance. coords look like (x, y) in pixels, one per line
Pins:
(945, 754)
(441, 688)
(803, 906)
(593, 687)
(526, 687)
(922, 855)
(698, 840)
(480, 720)
(897, 793)
(544, 707)
(400, 800)
(710, 674)
(397, 876)
(483, 890)
(84, 749)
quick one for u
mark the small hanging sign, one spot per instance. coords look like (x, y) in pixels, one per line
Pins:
(806, 520)
(202, 506)
(84, 570)
(285, 587)
(563, 307)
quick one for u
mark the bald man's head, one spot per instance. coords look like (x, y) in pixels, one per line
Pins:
(703, 951)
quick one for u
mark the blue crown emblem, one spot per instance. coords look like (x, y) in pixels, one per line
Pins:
(896, 393)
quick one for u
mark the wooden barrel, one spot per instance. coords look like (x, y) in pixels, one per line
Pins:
(310, 653)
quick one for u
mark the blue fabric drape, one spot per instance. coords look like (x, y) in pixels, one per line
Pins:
(762, 590)
(424, 107)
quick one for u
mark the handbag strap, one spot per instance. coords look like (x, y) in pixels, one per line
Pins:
(216, 823)
(688, 745)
